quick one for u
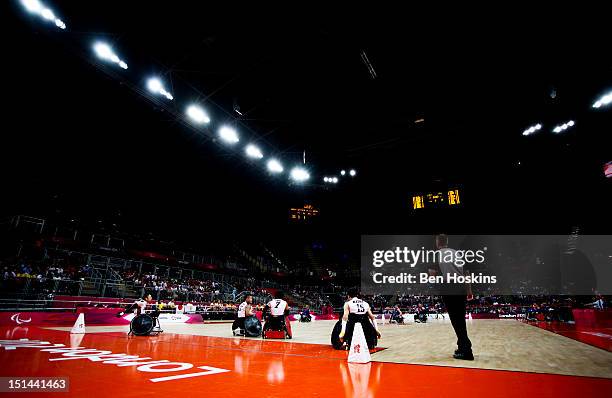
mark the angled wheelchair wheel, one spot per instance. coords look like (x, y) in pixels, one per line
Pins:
(142, 325)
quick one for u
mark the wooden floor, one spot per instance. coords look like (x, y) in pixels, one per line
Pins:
(498, 344)
(185, 360)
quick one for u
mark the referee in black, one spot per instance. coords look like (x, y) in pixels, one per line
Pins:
(455, 297)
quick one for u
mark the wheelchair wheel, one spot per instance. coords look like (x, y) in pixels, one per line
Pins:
(142, 325)
(252, 327)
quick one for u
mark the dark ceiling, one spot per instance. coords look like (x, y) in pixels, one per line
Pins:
(87, 141)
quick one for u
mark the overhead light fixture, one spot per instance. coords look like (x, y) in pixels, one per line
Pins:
(342, 172)
(299, 174)
(331, 180)
(253, 152)
(37, 8)
(228, 135)
(563, 126)
(155, 86)
(352, 172)
(197, 114)
(106, 53)
(274, 166)
(532, 129)
(603, 101)
(32, 6)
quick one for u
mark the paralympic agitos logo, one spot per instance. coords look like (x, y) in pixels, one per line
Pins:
(15, 318)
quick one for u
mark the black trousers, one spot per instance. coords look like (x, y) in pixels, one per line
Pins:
(238, 323)
(368, 330)
(455, 305)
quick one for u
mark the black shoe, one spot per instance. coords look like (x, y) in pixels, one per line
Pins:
(465, 355)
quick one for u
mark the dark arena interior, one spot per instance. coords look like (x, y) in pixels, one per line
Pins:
(368, 201)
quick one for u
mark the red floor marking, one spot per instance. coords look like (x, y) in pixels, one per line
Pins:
(598, 337)
(266, 369)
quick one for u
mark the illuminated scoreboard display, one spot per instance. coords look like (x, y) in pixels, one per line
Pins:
(448, 198)
(303, 213)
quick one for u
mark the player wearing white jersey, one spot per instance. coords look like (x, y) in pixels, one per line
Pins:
(358, 311)
(277, 310)
(138, 307)
(357, 306)
(141, 306)
(244, 310)
(278, 307)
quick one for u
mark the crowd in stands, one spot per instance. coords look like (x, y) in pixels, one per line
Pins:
(214, 297)
(195, 289)
(42, 271)
(309, 296)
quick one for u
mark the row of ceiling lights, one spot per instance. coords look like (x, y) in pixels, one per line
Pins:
(602, 101)
(334, 179)
(196, 114)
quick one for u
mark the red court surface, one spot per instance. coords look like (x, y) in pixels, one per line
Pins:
(256, 368)
(596, 336)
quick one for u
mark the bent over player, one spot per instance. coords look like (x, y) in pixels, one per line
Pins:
(357, 311)
(245, 310)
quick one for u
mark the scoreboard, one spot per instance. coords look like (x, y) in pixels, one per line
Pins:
(303, 213)
(438, 199)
